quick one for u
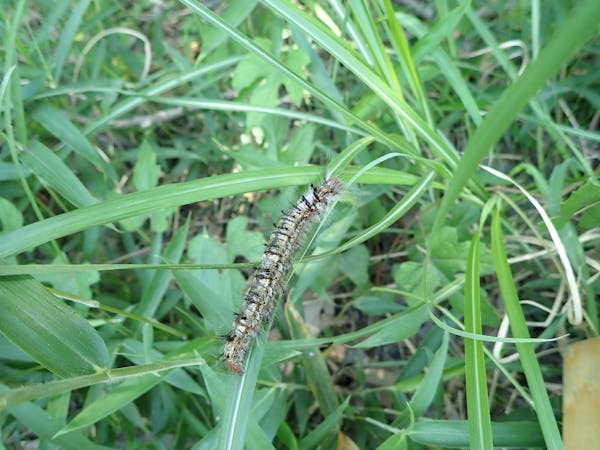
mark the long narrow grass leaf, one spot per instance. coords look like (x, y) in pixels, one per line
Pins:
(478, 411)
(518, 326)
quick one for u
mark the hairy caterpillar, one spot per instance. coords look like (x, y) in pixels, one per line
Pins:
(270, 277)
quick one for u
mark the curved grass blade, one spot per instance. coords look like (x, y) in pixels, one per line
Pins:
(150, 200)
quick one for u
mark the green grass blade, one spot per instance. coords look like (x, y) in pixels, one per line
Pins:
(67, 37)
(325, 428)
(235, 12)
(65, 131)
(52, 171)
(145, 202)
(478, 411)
(401, 208)
(177, 80)
(438, 32)
(11, 398)
(237, 425)
(398, 40)
(427, 388)
(318, 377)
(121, 396)
(45, 425)
(169, 196)
(161, 279)
(11, 63)
(447, 66)
(455, 434)
(519, 329)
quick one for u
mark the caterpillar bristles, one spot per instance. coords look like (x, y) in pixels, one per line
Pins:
(269, 279)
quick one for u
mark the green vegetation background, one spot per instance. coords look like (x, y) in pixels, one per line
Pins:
(147, 147)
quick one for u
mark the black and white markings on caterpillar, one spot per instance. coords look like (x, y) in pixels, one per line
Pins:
(269, 279)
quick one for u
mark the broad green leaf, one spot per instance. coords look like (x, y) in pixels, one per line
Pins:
(241, 242)
(251, 68)
(300, 147)
(355, 265)
(48, 330)
(216, 294)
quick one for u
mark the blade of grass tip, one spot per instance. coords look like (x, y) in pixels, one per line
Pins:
(235, 12)
(324, 429)
(480, 428)
(529, 362)
(570, 36)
